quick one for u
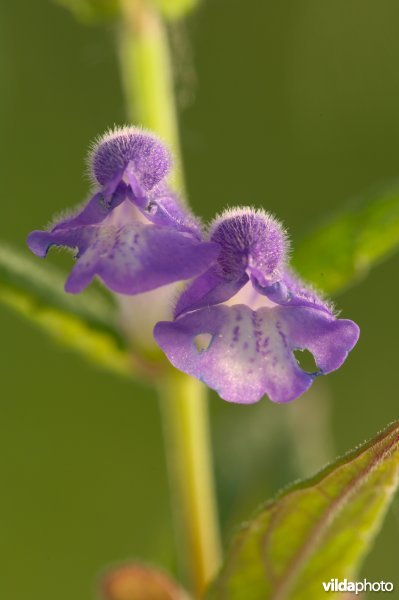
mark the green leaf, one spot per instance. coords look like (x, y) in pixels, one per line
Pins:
(343, 249)
(92, 11)
(85, 323)
(314, 531)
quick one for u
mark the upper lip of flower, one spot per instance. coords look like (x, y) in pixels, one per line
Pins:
(253, 247)
(112, 152)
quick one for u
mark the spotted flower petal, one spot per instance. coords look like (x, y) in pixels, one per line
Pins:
(245, 354)
(136, 258)
(238, 325)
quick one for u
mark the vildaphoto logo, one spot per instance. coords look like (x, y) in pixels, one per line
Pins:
(335, 585)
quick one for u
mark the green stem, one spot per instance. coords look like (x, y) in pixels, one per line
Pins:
(186, 430)
(146, 71)
(148, 85)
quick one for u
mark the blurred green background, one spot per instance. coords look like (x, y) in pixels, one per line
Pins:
(288, 105)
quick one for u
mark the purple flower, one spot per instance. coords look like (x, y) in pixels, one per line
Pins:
(132, 233)
(237, 325)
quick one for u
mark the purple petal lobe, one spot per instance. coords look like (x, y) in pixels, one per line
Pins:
(142, 151)
(327, 338)
(77, 231)
(137, 258)
(163, 207)
(291, 291)
(80, 238)
(251, 352)
(95, 211)
(38, 242)
(251, 241)
(206, 290)
(168, 211)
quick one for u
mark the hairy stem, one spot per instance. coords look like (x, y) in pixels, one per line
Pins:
(186, 430)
